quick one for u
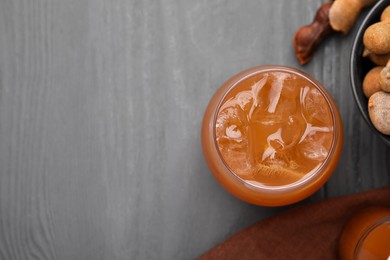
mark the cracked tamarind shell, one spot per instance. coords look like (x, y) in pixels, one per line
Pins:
(386, 14)
(371, 82)
(377, 59)
(377, 38)
(384, 78)
(379, 111)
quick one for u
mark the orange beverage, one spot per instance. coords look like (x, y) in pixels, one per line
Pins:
(367, 236)
(272, 135)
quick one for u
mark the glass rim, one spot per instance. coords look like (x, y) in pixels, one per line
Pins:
(315, 173)
(367, 232)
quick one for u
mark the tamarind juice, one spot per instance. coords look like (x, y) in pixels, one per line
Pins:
(273, 130)
(377, 243)
(367, 235)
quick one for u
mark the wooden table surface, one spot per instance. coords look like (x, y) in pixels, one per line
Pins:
(101, 104)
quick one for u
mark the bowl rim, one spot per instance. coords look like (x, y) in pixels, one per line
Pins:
(353, 64)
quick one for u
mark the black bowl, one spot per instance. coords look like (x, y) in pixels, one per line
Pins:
(359, 66)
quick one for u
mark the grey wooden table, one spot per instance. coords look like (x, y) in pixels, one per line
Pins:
(101, 105)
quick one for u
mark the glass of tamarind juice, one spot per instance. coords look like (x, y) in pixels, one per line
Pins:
(272, 135)
(366, 235)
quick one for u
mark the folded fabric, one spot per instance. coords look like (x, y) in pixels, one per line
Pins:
(306, 232)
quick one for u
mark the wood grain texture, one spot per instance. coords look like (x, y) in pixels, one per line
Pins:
(101, 105)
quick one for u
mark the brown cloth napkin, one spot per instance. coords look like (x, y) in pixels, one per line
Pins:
(305, 232)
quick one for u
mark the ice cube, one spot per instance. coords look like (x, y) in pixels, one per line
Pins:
(233, 132)
(292, 86)
(276, 90)
(313, 148)
(290, 107)
(236, 159)
(256, 88)
(316, 108)
(274, 175)
(293, 128)
(241, 100)
(231, 116)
